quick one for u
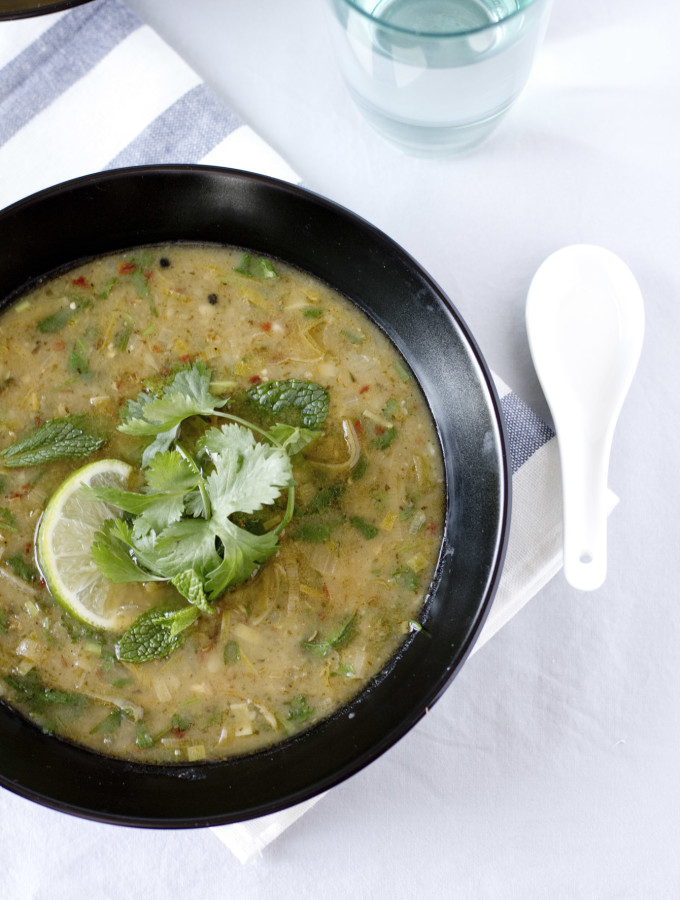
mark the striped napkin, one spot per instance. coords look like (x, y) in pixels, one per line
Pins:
(93, 89)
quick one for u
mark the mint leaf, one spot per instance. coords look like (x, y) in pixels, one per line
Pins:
(69, 437)
(155, 634)
(190, 585)
(256, 267)
(303, 404)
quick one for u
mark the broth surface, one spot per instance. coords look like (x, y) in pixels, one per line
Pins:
(321, 617)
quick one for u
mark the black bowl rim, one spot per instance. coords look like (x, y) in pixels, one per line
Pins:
(38, 9)
(190, 772)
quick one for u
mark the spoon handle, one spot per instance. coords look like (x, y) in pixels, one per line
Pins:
(585, 464)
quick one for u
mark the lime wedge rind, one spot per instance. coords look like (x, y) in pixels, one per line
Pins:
(64, 541)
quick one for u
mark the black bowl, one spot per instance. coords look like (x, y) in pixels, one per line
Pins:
(23, 9)
(118, 210)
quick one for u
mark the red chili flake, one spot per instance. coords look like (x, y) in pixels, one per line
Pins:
(358, 427)
(37, 420)
(127, 268)
(266, 326)
(28, 548)
(380, 429)
(430, 527)
(179, 732)
(255, 379)
(59, 345)
(148, 274)
(156, 349)
(80, 282)
(365, 388)
(185, 358)
(326, 591)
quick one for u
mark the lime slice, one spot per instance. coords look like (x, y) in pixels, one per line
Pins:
(64, 545)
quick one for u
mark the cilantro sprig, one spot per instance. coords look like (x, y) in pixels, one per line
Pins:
(180, 526)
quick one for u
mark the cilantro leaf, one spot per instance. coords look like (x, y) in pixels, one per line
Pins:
(300, 403)
(243, 553)
(155, 634)
(116, 555)
(170, 477)
(293, 439)
(68, 437)
(248, 475)
(186, 394)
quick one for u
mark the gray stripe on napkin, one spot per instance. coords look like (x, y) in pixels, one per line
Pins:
(184, 133)
(49, 66)
(526, 433)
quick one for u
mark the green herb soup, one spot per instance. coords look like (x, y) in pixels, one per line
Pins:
(275, 524)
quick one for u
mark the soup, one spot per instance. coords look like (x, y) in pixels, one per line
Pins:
(273, 524)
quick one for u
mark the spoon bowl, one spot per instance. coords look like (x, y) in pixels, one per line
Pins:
(585, 324)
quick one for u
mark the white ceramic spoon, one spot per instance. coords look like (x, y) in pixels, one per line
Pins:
(585, 322)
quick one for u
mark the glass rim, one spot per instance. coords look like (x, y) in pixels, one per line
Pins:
(435, 35)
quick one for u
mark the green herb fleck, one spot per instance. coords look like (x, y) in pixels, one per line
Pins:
(313, 313)
(383, 439)
(329, 496)
(177, 723)
(109, 724)
(7, 520)
(360, 469)
(256, 267)
(390, 408)
(406, 577)
(344, 670)
(299, 709)
(144, 739)
(31, 690)
(21, 568)
(363, 527)
(336, 641)
(313, 532)
(353, 338)
(232, 653)
(4, 621)
(62, 317)
(78, 361)
(401, 370)
(122, 336)
(106, 289)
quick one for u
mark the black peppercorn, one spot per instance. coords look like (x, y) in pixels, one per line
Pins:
(164, 261)
(212, 298)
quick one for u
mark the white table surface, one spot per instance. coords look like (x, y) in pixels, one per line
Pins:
(550, 768)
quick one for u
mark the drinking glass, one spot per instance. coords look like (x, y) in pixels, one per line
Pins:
(435, 77)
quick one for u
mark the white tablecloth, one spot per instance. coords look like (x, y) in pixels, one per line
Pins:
(550, 766)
